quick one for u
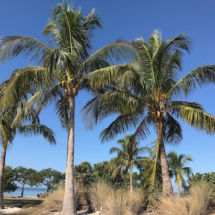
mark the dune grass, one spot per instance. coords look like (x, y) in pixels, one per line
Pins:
(196, 203)
(116, 202)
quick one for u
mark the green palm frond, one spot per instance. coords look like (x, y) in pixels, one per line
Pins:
(118, 51)
(29, 129)
(172, 131)
(203, 75)
(198, 119)
(12, 46)
(19, 82)
(120, 125)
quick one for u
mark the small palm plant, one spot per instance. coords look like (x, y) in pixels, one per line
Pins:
(147, 92)
(177, 167)
(128, 157)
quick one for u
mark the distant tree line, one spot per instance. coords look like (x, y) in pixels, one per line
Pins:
(24, 176)
(117, 172)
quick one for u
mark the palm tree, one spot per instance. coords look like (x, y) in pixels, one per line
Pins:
(65, 67)
(128, 156)
(177, 167)
(145, 94)
(83, 174)
(12, 122)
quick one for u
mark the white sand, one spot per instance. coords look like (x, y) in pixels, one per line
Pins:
(9, 210)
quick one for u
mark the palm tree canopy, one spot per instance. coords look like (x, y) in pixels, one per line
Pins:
(146, 91)
(177, 166)
(64, 63)
(127, 156)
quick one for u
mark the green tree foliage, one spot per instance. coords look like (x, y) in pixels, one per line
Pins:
(9, 180)
(146, 93)
(18, 119)
(177, 167)
(198, 177)
(128, 157)
(48, 177)
(83, 174)
(102, 171)
(25, 176)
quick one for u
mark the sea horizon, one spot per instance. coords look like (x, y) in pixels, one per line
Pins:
(28, 191)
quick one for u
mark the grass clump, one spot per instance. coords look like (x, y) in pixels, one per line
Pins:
(195, 203)
(54, 202)
(116, 202)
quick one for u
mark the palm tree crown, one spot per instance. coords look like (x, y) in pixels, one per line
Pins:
(177, 166)
(128, 156)
(145, 94)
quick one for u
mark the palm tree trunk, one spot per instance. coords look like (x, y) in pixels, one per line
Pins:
(2, 165)
(131, 182)
(167, 185)
(179, 190)
(69, 206)
(23, 184)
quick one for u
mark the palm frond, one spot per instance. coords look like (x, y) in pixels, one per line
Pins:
(172, 131)
(12, 46)
(120, 125)
(118, 51)
(203, 75)
(29, 129)
(19, 82)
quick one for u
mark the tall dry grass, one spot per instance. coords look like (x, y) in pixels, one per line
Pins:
(195, 203)
(116, 202)
(54, 202)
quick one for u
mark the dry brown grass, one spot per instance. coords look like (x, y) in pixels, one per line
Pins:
(195, 203)
(53, 203)
(116, 202)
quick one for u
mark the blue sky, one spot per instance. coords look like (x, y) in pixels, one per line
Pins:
(121, 18)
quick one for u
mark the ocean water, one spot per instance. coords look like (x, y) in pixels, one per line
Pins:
(28, 191)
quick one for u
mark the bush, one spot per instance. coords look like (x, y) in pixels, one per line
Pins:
(195, 203)
(116, 202)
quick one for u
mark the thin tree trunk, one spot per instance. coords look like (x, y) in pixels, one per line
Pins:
(47, 192)
(167, 185)
(23, 184)
(179, 190)
(2, 165)
(69, 206)
(131, 182)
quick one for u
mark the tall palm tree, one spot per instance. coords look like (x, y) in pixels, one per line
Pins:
(145, 94)
(64, 67)
(177, 167)
(13, 121)
(128, 156)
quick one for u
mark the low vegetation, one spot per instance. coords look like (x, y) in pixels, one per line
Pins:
(195, 203)
(116, 202)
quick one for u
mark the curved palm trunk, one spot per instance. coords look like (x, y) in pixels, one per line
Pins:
(69, 206)
(167, 185)
(2, 165)
(131, 182)
(23, 184)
